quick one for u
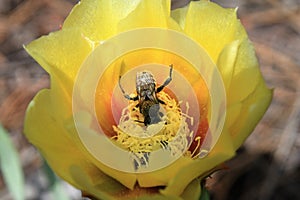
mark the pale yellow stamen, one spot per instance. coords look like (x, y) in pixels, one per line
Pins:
(197, 139)
(171, 133)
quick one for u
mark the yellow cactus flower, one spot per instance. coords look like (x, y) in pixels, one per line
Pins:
(144, 102)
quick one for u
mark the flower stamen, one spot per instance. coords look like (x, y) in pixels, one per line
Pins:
(172, 133)
(198, 140)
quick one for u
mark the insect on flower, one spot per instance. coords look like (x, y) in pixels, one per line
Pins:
(146, 95)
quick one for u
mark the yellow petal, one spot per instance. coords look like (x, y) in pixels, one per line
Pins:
(226, 62)
(64, 143)
(92, 140)
(245, 75)
(232, 114)
(36, 118)
(240, 72)
(161, 177)
(192, 191)
(61, 152)
(212, 26)
(223, 150)
(239, 69)
(61, 53)
(61, 97)
(107, 188)
(253, 109)
(179, 15)
(98, 20)
(149, 13)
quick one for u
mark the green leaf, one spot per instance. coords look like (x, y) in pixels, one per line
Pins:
(204, 194)
(55, 183)
(10, 166)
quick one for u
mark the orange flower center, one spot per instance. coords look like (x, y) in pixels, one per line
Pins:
(182, 111)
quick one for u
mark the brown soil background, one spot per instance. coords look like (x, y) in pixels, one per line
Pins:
(267, 167)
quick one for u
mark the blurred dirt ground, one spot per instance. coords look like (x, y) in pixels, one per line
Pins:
(267, 167)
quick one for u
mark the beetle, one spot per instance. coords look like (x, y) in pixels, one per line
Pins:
(146, 90)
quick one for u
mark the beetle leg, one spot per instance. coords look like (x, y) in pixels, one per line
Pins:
(124, 93)
(169, 79)
(138, 121)
(161, 102)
